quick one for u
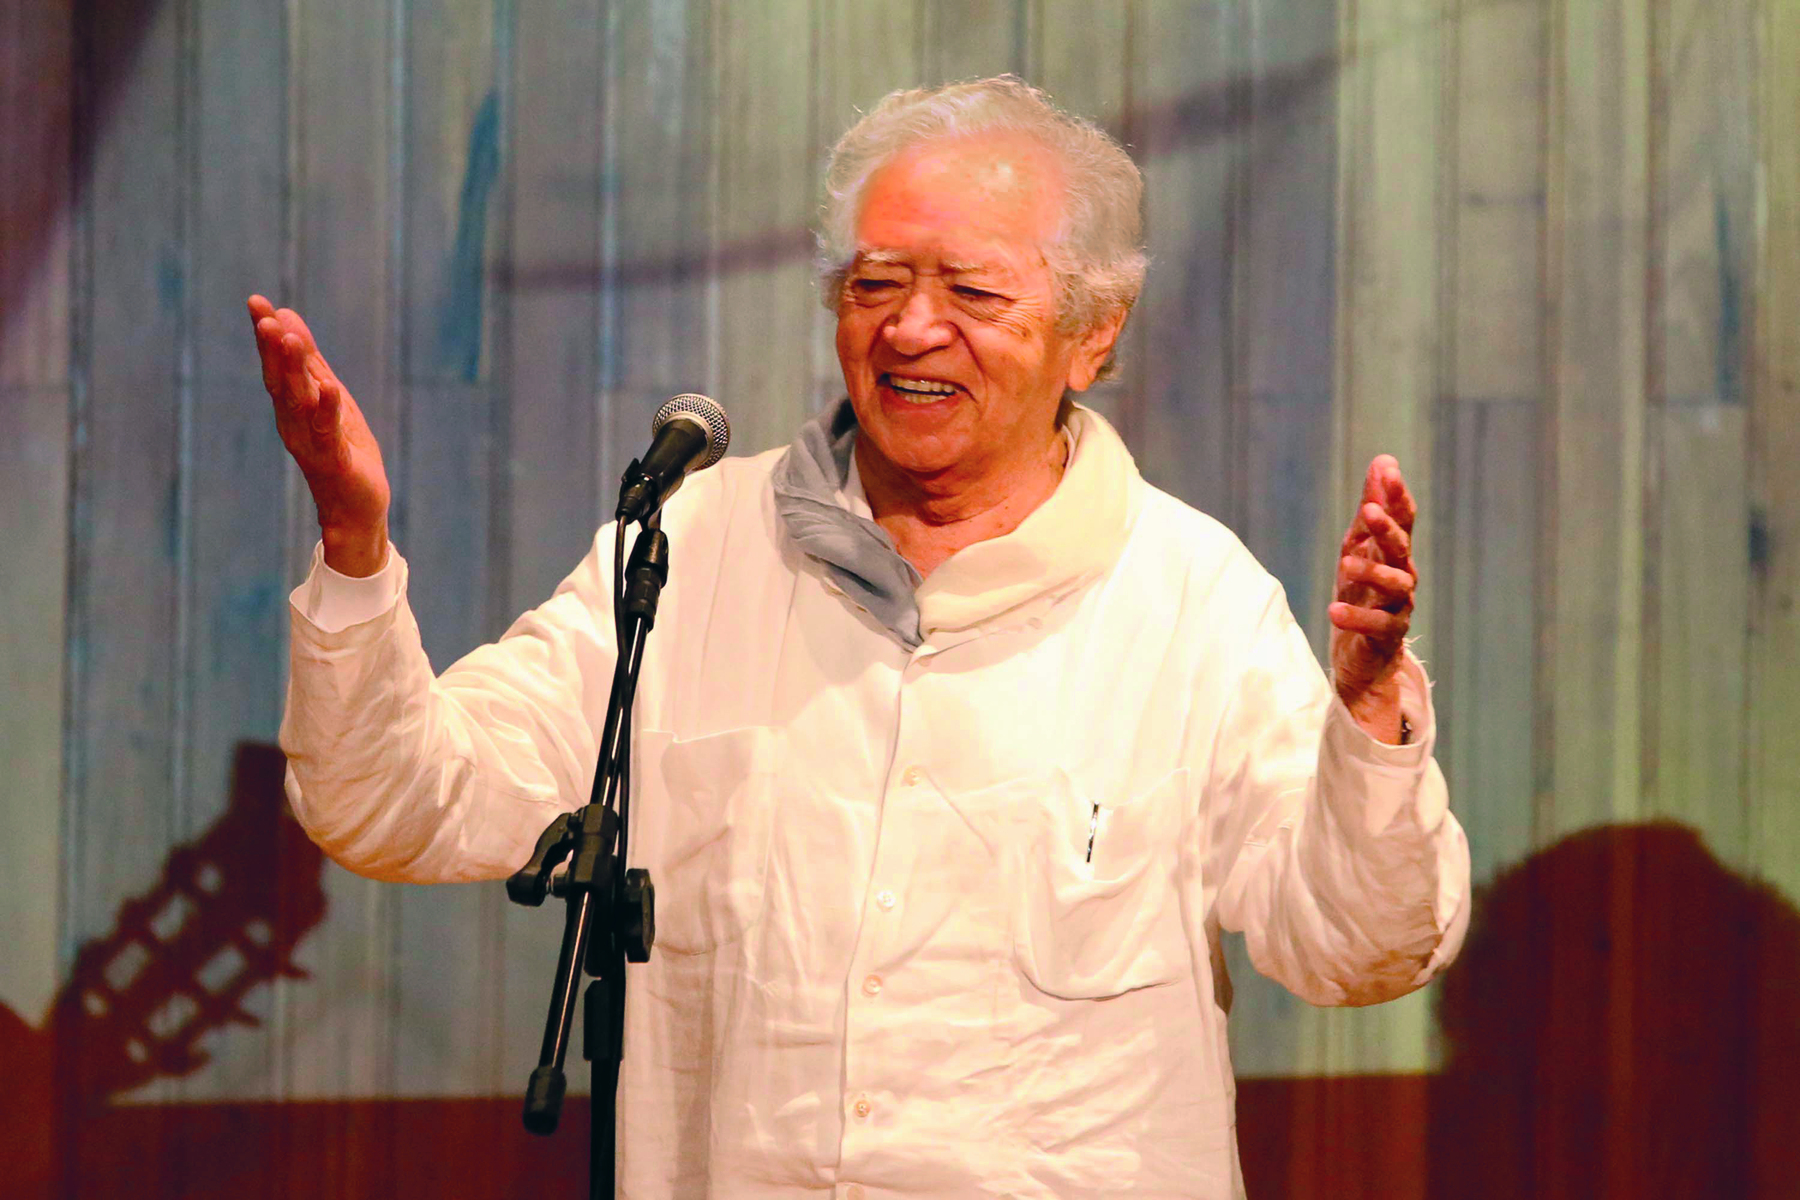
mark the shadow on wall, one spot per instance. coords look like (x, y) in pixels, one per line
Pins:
(68, 68)
(224, 918)
(1622, 1025)
(1624, 1022)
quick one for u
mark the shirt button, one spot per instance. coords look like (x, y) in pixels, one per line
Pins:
(872, 986)
(885, 899)
(853, 1192)
(862, 1108)
(912, 776)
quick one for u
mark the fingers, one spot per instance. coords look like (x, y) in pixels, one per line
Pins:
(273, 328)
(1400, 503)
(1361, 580)
(1383, 484)
(291, 322)
(1375, 534)
(1377, 624)
(1375, 478)
(296, 378)
(1376, 580)
(268, 349)
(285, 321)
(325, 413)
(1394, 543)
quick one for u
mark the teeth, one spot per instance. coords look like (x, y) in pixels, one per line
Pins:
(923, 387)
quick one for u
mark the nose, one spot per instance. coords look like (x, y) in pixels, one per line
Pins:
(919, 326)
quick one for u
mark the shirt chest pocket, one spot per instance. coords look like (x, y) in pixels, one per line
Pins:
(1096, 908)
(702, 813)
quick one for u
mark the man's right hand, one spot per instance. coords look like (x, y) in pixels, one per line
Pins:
(324, 430)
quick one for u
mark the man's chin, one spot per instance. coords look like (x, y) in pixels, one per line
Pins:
(912, 455)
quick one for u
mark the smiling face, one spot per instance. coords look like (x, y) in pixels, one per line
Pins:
(947, 321)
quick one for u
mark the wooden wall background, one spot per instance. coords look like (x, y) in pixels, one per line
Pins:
(1547, 251)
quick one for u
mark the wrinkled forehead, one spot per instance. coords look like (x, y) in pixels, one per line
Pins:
(975, 192)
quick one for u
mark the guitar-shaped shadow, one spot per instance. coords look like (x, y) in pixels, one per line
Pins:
(223, 919)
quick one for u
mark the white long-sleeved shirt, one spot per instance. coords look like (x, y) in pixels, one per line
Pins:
(931, 922)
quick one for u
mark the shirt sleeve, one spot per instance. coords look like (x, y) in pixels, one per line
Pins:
(1340, 859)
(332, 602)
(399, 775)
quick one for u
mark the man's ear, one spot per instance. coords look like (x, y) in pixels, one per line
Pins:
(1095, 348)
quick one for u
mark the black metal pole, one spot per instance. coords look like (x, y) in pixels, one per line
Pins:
(610, 914)
(604, 1019)
(544, 1091)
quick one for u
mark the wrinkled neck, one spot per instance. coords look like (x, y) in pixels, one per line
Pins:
(932, 517)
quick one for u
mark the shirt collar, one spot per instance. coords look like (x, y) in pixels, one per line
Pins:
(1069, 539)
(1072, 537)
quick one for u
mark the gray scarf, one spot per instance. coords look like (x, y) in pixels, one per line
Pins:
(857, 554)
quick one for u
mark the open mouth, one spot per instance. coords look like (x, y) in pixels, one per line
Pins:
(918, 391)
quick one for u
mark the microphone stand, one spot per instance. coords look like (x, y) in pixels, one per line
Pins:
(610, 916)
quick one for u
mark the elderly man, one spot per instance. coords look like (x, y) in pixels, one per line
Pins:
(961, 745)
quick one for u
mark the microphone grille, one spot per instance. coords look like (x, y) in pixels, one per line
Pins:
(708, 412)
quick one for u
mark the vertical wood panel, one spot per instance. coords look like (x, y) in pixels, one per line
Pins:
(1704, 109)
(1082, 54)
(972, 39)
(127, 582)
(1702, 522)
(235, 597)
(35, 63)
(1774, 443)
(1488, 520)
(554, 163)
(766, 200)
(35, 96)
(1774, 654)
(1485, 522)
(1085, 56)
(1494, 327)
(1283, 331)
(452, 198)
(34, 483)
(1340, 362)
(446, 977)
(1180, 426)
(1598, 188)
(555, 141)
(1705, 164)
(345, 187)
(1391, 114)
(660, 332)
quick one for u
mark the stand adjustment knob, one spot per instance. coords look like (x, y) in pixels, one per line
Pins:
(637, 915)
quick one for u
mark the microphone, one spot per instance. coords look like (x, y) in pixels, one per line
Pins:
(689, 433)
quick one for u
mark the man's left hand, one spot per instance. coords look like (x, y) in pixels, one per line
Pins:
(1374, 601)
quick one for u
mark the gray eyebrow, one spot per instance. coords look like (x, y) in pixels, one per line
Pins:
(895, 259)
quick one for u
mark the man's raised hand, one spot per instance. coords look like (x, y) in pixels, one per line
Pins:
(324, 430)
(1374, 600)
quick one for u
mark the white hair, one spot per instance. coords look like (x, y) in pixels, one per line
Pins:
(1096, 254)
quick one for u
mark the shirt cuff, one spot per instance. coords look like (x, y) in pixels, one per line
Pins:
(1393, 778)
(1415, 709)
(332, 602)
